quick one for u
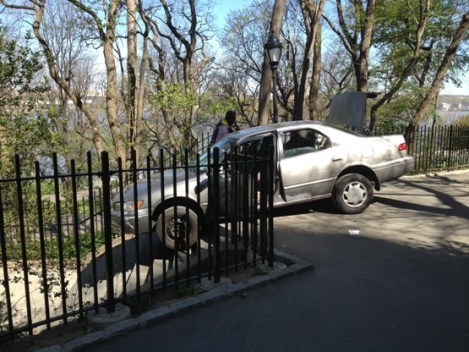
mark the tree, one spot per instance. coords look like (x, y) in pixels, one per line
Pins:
(410, 39)
(106, 32)
(134, 95)
(399, 58)
(247, 35)
(315, 111)
(160, 74)
(300, 69)
(432, 93)
(462, 121)
(64, 33)
(37, 9)
(337, 76)
(355, 29)
(312, 13)
(26, 128)
(240, 72)
(18, 67)
(266, 78)
(410, 53)
(180, 61)
(99, 28)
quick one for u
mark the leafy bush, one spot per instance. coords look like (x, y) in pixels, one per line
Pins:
(51, 247)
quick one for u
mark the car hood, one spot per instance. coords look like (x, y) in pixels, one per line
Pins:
(156, 182)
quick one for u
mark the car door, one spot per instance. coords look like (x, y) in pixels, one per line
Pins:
(245, 168)
(309, 163)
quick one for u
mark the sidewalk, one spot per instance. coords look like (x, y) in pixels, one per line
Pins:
(214, 292)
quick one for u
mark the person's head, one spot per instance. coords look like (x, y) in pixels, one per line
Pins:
(230, 117)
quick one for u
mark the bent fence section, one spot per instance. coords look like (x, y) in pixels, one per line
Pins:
(70, 244)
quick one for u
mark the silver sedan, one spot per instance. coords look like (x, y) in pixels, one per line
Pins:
(313, 161)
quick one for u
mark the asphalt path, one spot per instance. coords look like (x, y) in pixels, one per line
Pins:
(401, 284)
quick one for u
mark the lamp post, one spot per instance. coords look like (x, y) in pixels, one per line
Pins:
(274, 52)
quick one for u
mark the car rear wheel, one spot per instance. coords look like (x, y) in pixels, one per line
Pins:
(352, 193)
(178, 228)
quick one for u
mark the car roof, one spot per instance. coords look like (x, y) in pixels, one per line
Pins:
(242, 134)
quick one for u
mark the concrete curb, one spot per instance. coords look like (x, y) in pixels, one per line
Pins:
(217, 293)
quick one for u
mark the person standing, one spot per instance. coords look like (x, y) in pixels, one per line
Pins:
(225, 126)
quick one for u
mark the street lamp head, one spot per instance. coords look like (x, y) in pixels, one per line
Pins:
(274, 49)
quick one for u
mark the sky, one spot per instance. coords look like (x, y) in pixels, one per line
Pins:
(453, 90)
(223, 7)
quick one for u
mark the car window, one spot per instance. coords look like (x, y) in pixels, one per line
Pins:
(258, 147)
(303, 141)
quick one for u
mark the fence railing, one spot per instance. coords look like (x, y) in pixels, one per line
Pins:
(205, 219)
(437, 148)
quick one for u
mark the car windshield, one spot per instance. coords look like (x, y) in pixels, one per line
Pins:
(224, 146)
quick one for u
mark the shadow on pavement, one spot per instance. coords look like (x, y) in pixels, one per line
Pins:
(320, 206)
(453, 206)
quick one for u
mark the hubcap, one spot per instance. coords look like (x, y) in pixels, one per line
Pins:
(355, 194)
(177, 229)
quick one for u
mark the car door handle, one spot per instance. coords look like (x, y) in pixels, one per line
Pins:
(336, 158)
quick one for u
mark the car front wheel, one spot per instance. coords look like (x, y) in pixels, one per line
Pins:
(352, 193)
(177, 229)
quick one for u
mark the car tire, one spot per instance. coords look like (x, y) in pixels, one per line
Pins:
(186, 221)
(352, 193)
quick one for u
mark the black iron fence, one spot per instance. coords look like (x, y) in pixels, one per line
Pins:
(83, 248)
(437, 148)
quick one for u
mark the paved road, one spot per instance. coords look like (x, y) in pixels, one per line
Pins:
(402, 284)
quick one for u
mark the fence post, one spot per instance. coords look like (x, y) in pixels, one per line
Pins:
(270, 207)
(450, 147)
(6, 282)
(261, 200)
(19, 195)
(105, 177)
(215, 208)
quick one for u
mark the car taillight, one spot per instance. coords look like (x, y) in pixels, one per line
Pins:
(402, 146)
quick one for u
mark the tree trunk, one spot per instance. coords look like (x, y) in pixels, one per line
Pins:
(111, 88)
(312, 18)
(141, 91)
(314, 106)
(266, 79)
(367, 34)
(264, 94)
(132, 87)
(308, 13)
(363, 29)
